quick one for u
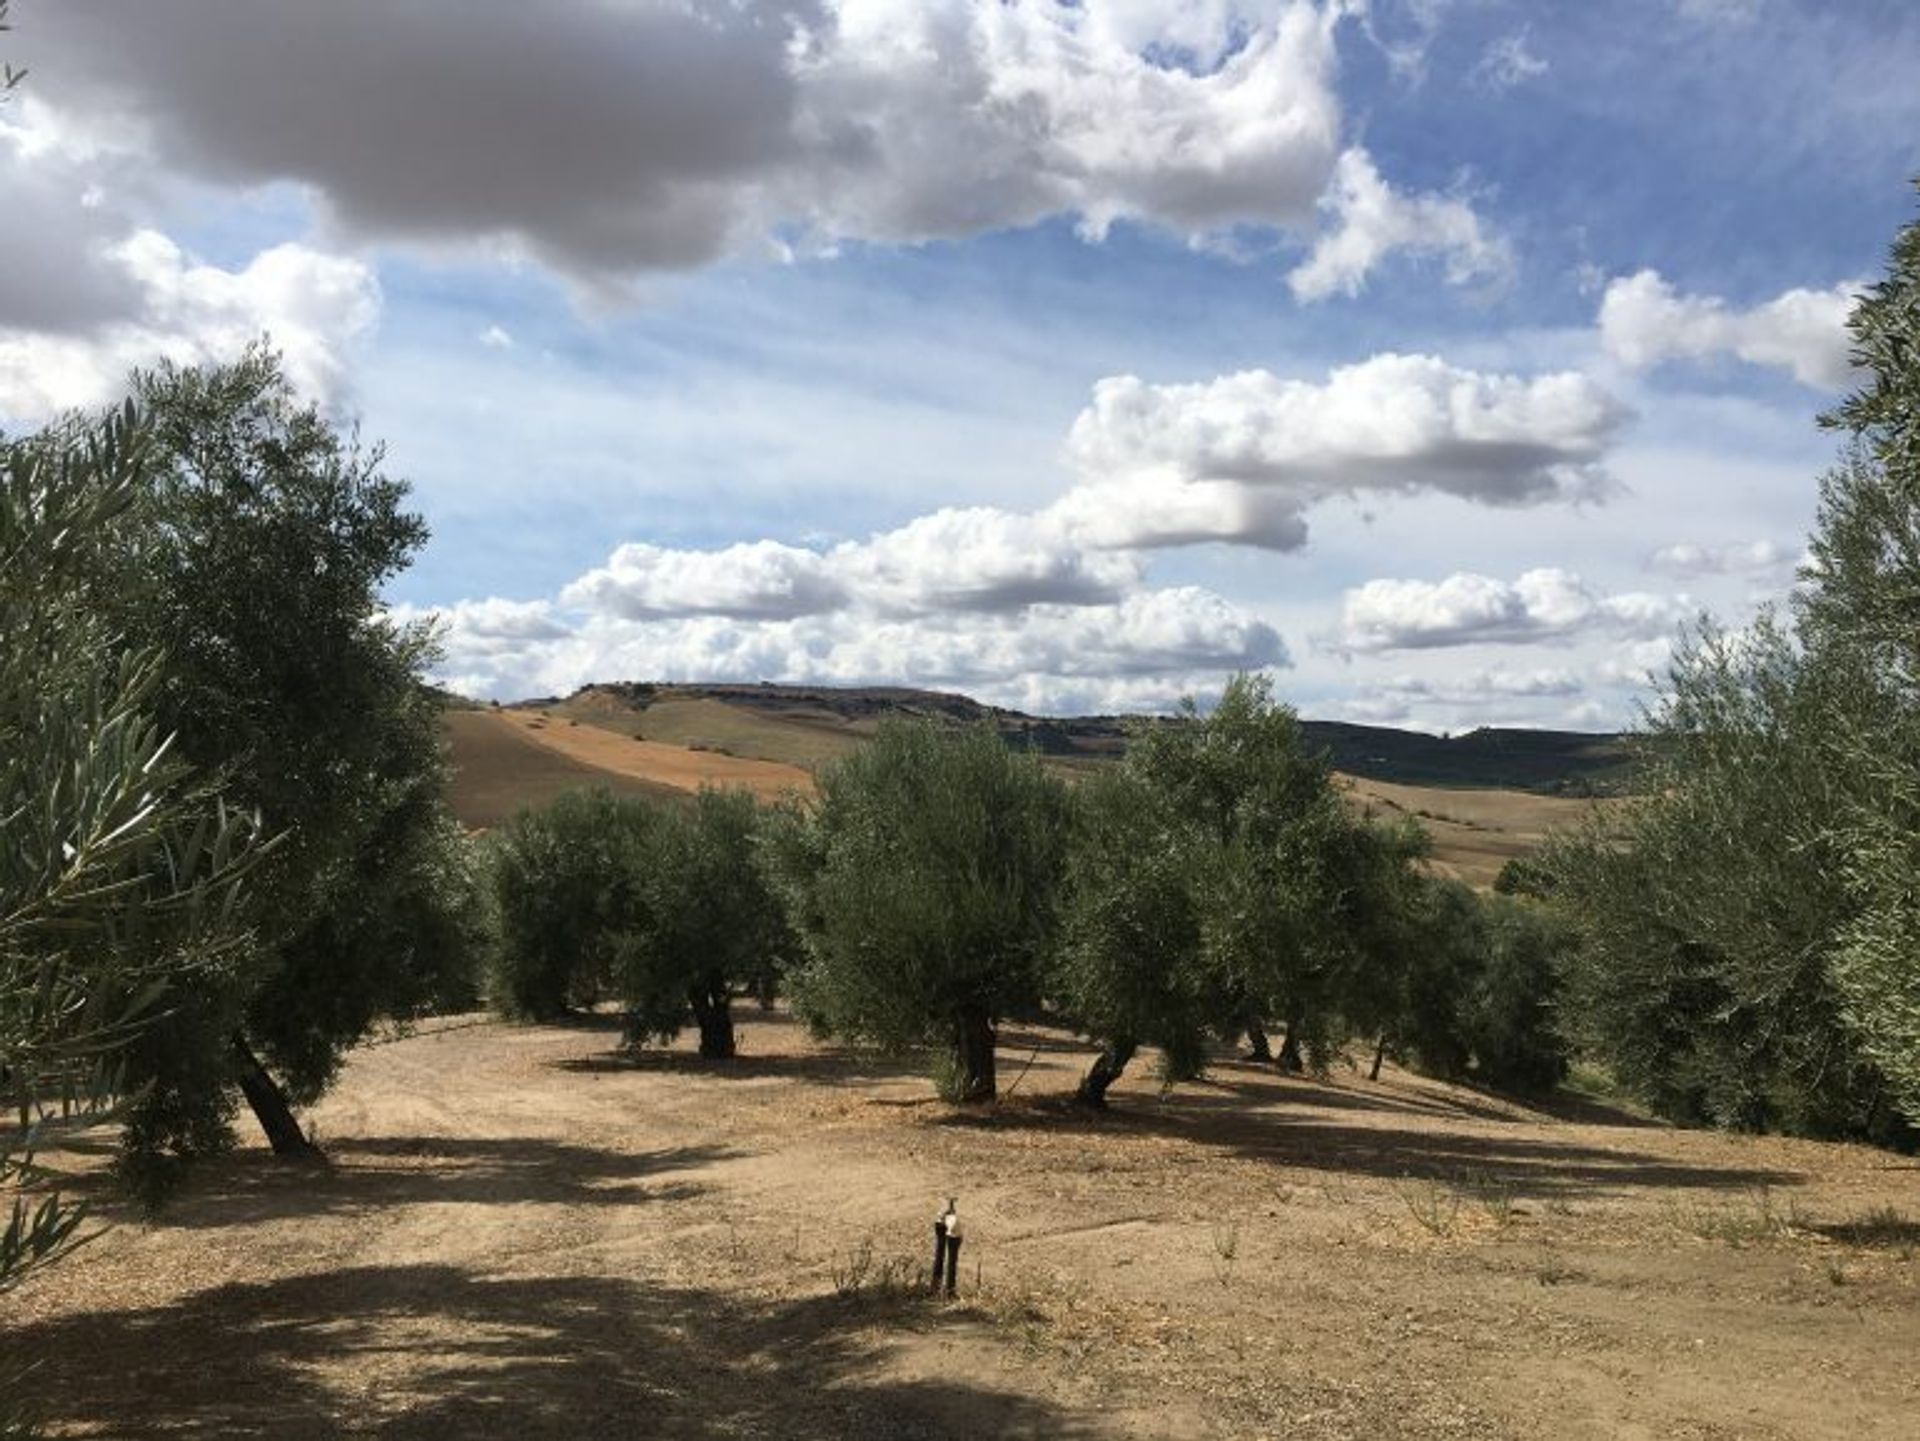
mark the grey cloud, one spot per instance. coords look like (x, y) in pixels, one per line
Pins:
(595, 133)
(56, 272)
(609, 137)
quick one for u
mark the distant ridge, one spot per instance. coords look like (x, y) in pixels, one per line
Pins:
(1549, 762)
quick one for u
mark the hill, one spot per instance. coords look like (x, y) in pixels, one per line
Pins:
(804, 725)
(1485, 798)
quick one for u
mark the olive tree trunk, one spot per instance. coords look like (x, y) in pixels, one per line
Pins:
(713, 1013)
(973, 1050)
(1290, 1059)
(269, 1103)
(1105, 1070)
(1257, 1040)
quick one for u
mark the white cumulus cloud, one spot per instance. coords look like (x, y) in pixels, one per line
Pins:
(1469, 609)
(1757, 557)
(619, 137)
(1240, 457)
(980, 559)
(312, 304)
(1372, 220)
(760, 579)
(1144, 650)
(1644, 321)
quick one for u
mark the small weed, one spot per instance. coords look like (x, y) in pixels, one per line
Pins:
(1493, 1195)
(1836, 1273)
(862, 1274)
(1226, 1247)
(1557, 1273)
(1434, 1204)
(850, 1275)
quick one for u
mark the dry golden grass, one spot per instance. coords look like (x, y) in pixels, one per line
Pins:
(790, 737)
(526, 1234)
(1475, 832)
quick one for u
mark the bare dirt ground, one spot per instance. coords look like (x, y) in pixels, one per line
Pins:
(523, 1234)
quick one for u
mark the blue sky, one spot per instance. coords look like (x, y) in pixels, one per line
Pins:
(1440, 356)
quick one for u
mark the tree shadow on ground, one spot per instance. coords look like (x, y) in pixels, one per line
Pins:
(822, 1068)
(436, 1351)
(1522, 1165)
(366, 1174)
(1886, 1228)
(1258, 1083)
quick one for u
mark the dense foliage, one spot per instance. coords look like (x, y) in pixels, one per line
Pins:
(923, 880)
(120, 873)
(664, 906)
(709, 922)
(568, 882)
(230, 575)
(1127, 965)
(1217, 880)
(1752, 938)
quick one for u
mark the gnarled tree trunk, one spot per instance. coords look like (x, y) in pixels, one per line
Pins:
(1290, 1059)
(973, 1049)
(713, 1013)
(269, 1104)
(1257, 1040)
(1105, 1070)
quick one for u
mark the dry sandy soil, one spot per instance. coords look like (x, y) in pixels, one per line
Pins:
(524, 1234)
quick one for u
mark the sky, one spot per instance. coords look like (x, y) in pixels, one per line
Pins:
(1440, 358)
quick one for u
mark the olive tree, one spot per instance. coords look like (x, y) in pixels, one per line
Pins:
(120, 872)
(708, 922)
(1266, 821)
(569, 887)
(923, 880)
(254, 566)
(1128, 966)
(1861, 616)
(1711, 906)
(1751, 932)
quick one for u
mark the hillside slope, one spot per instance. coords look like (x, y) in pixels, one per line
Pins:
(804, 725)
(668, 741)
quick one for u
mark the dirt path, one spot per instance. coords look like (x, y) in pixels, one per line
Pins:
(523, 1235)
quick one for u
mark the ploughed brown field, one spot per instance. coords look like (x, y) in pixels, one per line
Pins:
(523, 1233)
